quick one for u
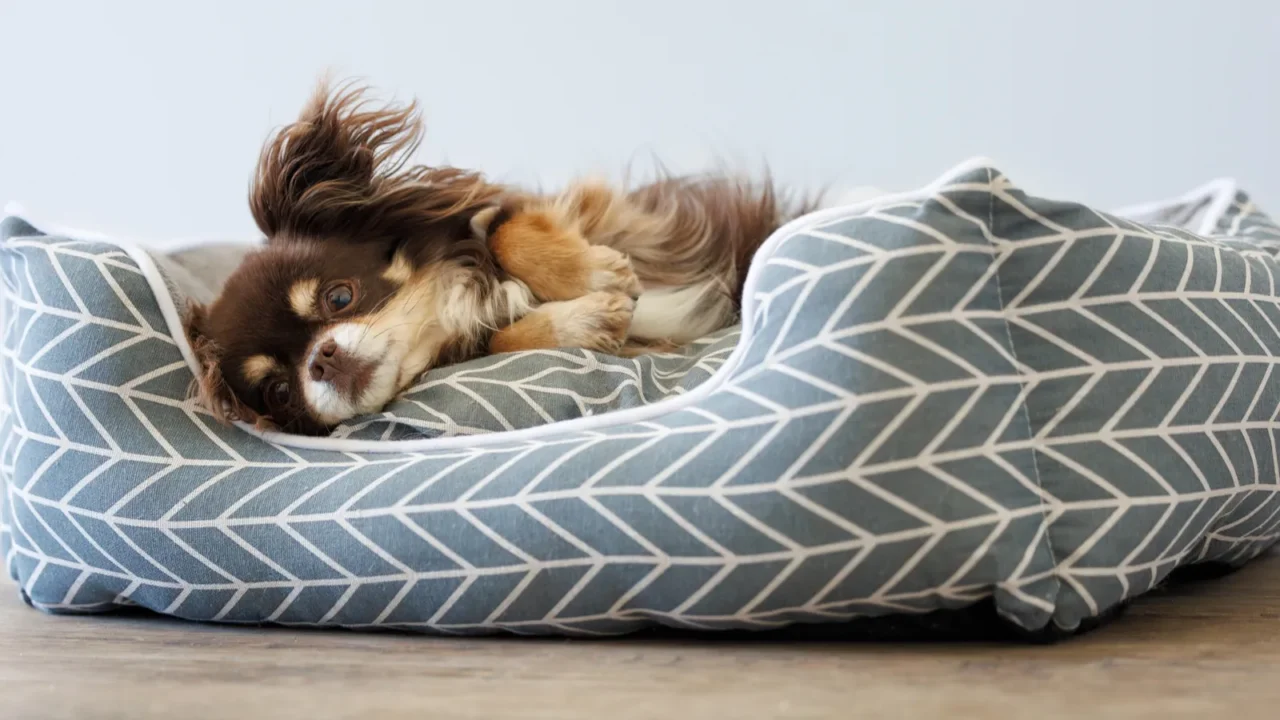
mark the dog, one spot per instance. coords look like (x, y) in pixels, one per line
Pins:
(374, 271)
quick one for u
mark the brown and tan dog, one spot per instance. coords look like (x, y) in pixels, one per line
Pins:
(374, 272)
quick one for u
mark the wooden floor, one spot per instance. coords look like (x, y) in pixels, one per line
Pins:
(1209, 650)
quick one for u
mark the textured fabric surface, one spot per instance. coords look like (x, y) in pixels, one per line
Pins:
(1243, 219)
(527, 389)
(969, 393)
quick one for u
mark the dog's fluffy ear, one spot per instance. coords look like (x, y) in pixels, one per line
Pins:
(340, 170)
(209, 386)
(329, 158)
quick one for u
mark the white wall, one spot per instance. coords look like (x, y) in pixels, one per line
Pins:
(144, 118)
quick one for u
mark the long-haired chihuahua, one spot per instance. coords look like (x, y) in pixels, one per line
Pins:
(375, 271)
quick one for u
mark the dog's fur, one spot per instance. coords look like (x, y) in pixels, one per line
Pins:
(439, 265)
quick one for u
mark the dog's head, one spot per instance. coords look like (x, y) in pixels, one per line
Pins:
(371, 273)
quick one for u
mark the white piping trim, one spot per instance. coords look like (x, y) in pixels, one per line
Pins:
(1222, 191)
(582, 424)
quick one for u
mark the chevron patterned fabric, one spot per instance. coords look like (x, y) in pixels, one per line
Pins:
(965, 393)
(528, 389)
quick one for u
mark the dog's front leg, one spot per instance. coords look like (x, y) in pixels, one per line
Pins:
(596, 321)
(544, 248)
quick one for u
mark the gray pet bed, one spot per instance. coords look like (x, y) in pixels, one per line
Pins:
(959, 395)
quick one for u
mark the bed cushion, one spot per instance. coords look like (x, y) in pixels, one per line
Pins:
(961, 394)
(528, 389)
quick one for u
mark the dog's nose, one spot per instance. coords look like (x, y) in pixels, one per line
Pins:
(346, 373)
(332, 364)
(328, 362)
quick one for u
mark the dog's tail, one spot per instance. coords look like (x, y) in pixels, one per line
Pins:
(693, 261)
(683, 314)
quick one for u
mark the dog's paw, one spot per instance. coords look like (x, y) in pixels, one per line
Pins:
(611, 271)
(598, 321)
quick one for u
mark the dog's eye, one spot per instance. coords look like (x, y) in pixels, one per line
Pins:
(278, 393)
(339, 297)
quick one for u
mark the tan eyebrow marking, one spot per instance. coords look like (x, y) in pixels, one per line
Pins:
(399, 271)
(302, 297)
(257, 368)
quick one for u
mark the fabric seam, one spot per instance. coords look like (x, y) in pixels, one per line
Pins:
(1026, 410)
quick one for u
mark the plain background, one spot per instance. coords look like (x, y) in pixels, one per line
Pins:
(144, 119)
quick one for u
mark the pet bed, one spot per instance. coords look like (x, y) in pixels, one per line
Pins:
(959, 395)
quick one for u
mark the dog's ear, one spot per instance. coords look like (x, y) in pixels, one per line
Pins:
(340, 171)
(329, 159)
(209, 386)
